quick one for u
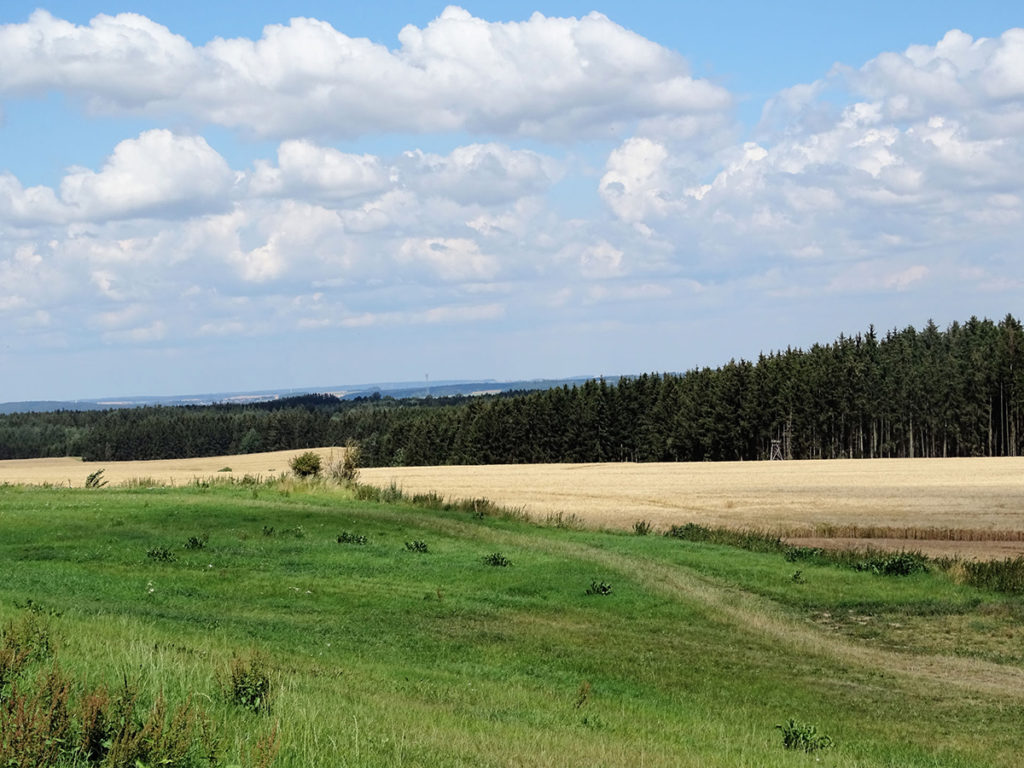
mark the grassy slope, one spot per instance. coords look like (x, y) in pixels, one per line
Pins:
(387, 657)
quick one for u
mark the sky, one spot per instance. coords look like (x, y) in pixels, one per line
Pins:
(211, 197)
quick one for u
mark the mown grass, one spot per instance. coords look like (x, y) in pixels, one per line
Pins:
(380, 655)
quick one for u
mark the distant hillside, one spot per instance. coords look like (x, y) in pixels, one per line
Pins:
(397, 390)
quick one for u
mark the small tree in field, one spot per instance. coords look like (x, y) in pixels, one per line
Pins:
(306, 464)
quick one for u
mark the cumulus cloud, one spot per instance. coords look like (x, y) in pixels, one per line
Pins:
(926, 157)
(547, 77)
(306, 168)
(912, 174)
(159, 174)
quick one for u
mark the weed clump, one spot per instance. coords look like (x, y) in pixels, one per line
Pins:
(248, 684)
(642, 527)
(420, 547)
(160, 554)
(599, 588)
(497, 560)
(41, 723)
(803, 737)
(351, 538)
(893, 563)
(95, 479)
(197, 542)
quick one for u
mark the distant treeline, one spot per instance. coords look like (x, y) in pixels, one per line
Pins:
(958, 392)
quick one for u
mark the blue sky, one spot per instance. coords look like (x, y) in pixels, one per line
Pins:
(208, 197)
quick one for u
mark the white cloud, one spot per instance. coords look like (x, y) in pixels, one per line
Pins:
(155, 331)
(305, 168)
(921, 160)
(158, 174)
(548, 77)
(450, 258)
(893, 191)
(480, 173)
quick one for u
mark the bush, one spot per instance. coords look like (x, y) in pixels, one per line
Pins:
(599, 588)
(803, 737)
(497, 560)
(306, 464)
(346, 471)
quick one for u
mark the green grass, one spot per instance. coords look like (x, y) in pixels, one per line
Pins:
(379, 655)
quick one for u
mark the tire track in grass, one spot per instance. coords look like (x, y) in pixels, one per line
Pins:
(761, 617)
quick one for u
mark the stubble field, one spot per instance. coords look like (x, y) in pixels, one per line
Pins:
(971, 507)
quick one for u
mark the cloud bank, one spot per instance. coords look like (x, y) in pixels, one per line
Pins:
(891, 182)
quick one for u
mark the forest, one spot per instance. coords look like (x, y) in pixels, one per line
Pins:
(909, 393)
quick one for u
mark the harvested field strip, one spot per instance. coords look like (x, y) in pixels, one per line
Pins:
(831, 531)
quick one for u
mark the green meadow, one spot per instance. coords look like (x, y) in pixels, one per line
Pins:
(296, 625)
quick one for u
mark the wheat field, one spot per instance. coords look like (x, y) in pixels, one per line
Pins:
(972, 507)
(73, 471)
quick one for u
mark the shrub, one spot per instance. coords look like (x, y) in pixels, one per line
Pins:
(803, 737)
(497, 560)
(642, 527)
(599, 588)
(351, 538)
(306, 464)
(346, 471)
(417, 546)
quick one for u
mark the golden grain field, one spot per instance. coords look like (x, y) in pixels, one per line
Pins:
(979, 503)
(973, 507)
(73, 471)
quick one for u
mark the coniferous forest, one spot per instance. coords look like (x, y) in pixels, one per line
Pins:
(909, 393)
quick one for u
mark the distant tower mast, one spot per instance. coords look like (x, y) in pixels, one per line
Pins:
(426, 376)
